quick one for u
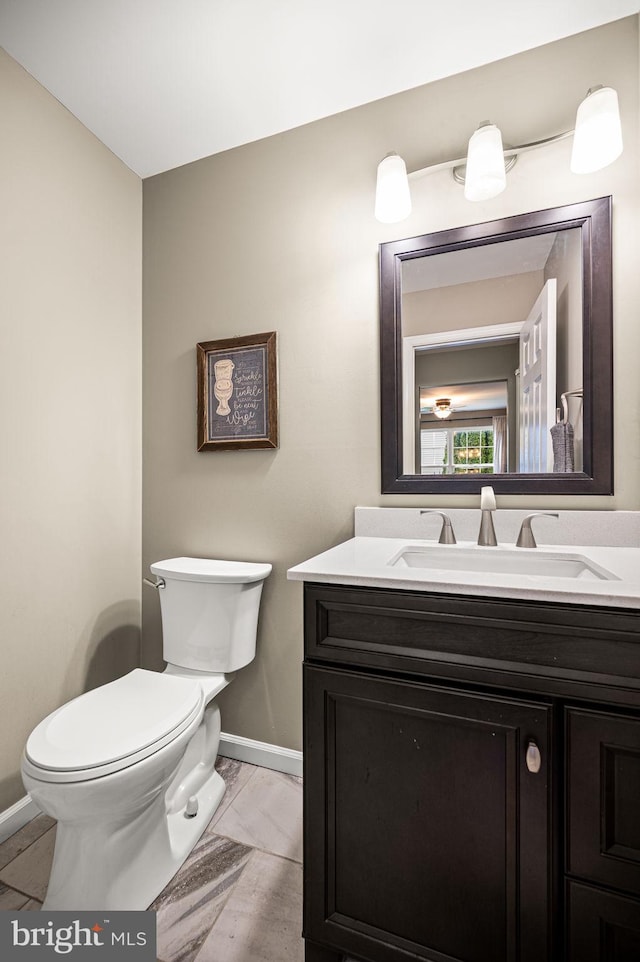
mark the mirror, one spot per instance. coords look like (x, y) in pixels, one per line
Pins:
(496, 356)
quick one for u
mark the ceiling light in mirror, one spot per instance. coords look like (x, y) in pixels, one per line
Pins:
(442, 407)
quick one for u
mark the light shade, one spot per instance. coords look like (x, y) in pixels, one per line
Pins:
(485, 176)
(597, 140)
(393, 200)
(442, 407)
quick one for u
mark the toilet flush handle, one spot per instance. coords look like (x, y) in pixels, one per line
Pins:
(160, 583)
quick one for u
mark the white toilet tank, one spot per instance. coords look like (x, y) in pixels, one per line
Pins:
(209, 612)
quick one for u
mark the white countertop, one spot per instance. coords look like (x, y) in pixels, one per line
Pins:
(365, 562)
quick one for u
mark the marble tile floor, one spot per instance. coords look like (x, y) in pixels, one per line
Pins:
(237, 898)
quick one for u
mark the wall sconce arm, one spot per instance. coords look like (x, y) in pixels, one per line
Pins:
(459, 165)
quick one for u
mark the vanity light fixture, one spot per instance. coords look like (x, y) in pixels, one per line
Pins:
(485, 175)
(597, 142)
(393, 199)
(442, 407)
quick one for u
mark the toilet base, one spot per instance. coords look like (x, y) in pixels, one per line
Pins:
(126, 867)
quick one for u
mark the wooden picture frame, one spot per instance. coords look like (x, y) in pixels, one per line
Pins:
(238, 393)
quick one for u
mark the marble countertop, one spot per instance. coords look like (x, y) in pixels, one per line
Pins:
(369, 562)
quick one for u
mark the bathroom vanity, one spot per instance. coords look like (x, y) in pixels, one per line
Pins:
(472, 758)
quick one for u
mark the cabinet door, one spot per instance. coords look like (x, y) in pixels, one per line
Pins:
(426, 835)
(602, 926)
(603, 830)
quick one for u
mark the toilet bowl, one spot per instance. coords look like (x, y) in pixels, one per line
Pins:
(128, 769)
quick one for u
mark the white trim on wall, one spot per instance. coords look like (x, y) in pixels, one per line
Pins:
(16, 817)
(260, 753)
(279, 759)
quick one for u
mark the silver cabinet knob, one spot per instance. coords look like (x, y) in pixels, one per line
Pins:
(533, 758)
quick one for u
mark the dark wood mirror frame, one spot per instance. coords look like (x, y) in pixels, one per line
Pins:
(593, 217)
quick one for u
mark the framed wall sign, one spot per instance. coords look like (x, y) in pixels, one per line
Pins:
(238, 393)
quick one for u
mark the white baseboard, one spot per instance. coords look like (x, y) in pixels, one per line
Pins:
(260, 753)
(231, 746)
(16, 817)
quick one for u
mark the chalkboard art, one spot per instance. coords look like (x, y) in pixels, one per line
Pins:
(237, 393)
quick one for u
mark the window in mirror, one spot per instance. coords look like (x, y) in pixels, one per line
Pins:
(457, 451)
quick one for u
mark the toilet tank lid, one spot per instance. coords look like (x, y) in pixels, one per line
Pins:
(208, 569)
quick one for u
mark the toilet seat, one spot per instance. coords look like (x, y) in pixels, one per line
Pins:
(112, 727)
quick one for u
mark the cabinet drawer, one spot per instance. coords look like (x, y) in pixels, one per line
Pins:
(566, 651)
(603, 798)
(601, 926)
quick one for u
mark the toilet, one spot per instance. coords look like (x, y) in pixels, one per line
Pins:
(128, 769)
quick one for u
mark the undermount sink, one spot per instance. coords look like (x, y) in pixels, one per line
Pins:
(534, 563)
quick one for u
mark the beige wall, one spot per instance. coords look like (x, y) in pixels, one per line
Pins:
(70, 357)
(280, 235)
(497, 300)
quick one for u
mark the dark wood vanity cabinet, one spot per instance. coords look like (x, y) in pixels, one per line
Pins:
(603, 836)
(472, 779)
(423, 791)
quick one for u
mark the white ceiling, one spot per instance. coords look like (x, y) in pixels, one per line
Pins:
(482, 396)
(165, 82)
(504, 259)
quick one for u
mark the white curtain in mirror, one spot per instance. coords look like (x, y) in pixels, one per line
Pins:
(500, 444)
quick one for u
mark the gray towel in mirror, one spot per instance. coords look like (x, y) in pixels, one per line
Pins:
(562, 442)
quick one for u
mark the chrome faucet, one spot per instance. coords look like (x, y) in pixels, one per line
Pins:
(446, 534)
(525, 538)
(487, 533)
